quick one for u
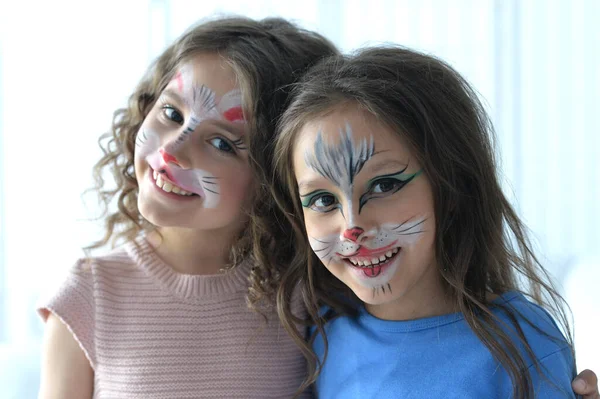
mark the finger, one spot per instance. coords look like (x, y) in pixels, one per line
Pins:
(586, 383)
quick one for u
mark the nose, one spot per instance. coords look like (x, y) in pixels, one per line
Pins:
(176, 151)
(167, 157)
(353, 234)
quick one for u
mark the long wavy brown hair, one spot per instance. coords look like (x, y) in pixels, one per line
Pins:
(267, 57)
(481, 244)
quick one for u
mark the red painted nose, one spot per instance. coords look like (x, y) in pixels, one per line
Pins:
(353, 233)
(168, 158)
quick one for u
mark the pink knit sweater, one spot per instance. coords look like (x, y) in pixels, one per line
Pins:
(150, 332)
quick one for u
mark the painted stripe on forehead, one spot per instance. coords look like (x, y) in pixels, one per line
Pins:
(340, 162)
(179, 81)
(199, 98)
(203, 101)
(230, 106)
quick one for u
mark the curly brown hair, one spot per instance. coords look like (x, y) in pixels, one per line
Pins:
(267, 56)
(481, 244)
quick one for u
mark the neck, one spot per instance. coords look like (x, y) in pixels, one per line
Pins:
(190, 251)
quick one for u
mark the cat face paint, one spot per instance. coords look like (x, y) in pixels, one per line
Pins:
(341, 163)
(191, 150)
(202, 104)
(368, 208)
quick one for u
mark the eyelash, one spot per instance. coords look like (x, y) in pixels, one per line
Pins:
(311, 198)
(395, 180)
(398, 180)
(396, 183)
(166, 107)
(231, 146)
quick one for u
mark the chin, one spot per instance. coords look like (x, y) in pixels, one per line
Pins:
(162, 221)
(374, 299)
(162, 218)
(378, 295)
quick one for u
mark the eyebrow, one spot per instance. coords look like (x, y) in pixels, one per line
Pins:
(231, 127)
(375, 168)
(307, 185)
(343, 161)
(174, 95)
(207, 102)
(384, 165)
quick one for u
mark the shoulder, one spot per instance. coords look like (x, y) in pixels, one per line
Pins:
(539, 328)
(115, 261)
(83, 279)
(103, 268)
(553, 365)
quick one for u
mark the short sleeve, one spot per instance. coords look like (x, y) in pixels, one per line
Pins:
(74, 304)
(555, 376)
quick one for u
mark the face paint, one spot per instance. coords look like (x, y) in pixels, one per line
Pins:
(342, 162)
(179, 79)
(202, 103)
(373, 256)
(368, 209)
(373, 260)
(230, 107)
(195, 181)
(190, 165)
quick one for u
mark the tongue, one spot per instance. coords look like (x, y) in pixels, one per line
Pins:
(372, 271)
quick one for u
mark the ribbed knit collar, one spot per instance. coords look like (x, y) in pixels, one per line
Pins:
(188, 286)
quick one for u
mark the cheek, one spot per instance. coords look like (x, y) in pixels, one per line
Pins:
(236, 187)
(147, 142)
(319, 226)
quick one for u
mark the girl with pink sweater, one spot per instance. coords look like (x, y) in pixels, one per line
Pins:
(165, 314)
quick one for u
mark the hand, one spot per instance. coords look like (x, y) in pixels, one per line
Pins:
(586, 384)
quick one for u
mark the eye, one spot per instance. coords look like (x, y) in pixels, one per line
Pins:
(324, 201)
(221, 145)
(385, 185)
(320, 201)
(172, 114)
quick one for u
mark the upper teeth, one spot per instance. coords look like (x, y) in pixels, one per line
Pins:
(168, 186)
(374, 260)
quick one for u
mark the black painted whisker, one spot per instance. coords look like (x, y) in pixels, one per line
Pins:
(211, 191)
(411, 227)
(323, 242)
(410, 234)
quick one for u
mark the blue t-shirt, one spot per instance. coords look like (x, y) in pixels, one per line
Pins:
(436, 357)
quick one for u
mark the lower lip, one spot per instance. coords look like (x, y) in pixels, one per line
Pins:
(375, 271)
(174, 196)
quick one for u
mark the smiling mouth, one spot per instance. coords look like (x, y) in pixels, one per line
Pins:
(169, 186)
(373, 265)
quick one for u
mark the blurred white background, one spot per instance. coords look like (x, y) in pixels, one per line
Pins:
(66, 65)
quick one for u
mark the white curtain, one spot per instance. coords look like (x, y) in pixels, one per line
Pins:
(66, 65)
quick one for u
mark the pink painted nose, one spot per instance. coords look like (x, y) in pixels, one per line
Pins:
(353, 233)
(168, 158)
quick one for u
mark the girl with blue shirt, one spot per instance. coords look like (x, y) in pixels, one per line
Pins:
(414, 266)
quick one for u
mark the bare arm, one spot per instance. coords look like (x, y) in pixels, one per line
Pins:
(66, 371)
